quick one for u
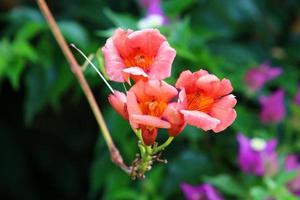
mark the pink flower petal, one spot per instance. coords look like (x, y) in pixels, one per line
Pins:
(161, 67)
(113, 62)
(149, 120)
(175, 118)
(133, 72)
(200, 119)
(132, 107)
(208, 83)
(225, 88)
(212, 85)
(121, 42)
(147, 40)
(223, 111)
(160, 90)
(139, 90)
(187, 80)
(182, 100)
(118, 101)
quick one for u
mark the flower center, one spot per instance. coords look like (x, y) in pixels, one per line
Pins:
(258, 144)
(153, 108)
(197, 101)
(139, 60)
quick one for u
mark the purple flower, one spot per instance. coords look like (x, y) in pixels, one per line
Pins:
(292, 163)
(297, 98)
(257, 156)
(256, 77)
(200, 192)
(154, 15)
(272, 107)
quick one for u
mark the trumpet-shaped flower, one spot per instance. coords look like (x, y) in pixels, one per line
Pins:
(292, 162)
(143, 54)
(257, 156)
(272, 107)
(256, 77)
(147, 103)
(206, 100)
(204, 191)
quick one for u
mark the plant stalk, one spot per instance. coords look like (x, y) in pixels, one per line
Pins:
(114, 152)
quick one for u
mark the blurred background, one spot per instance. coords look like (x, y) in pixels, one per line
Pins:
(50, 144)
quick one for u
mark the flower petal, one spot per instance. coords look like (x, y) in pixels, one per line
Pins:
(200, 119)
(113, 62)
(187, 80)
(160, 90)
(135, 73)
(223, 111)
(273, 108)
(161, 67)
(118, 101)
(147, 40)
(211, 84)
(132, 107)
(149, 120)
(176, 119)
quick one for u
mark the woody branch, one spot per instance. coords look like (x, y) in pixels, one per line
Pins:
(114, 152)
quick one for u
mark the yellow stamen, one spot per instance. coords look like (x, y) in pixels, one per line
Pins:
(153, 108)
(139, 60)
(200, 102)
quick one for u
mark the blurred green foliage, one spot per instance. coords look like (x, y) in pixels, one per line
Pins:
(50, 145)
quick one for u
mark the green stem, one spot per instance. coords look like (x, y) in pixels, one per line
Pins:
(163, 146)
(138, 133)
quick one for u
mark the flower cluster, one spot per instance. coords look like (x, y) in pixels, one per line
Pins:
(259, 157)
(199, 99)
(256, 77)
(272, 106)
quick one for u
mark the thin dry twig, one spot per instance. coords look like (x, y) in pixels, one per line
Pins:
(114, 152)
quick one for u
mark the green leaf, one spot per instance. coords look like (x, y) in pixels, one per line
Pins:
(64, 81)
(121, 20)
(105, 33)
(14, 72)
(29, 30)
(74, 33)
(5, 56)
(14, 56)
(25, 14)
(285, 176)
(38, 83)
(226, 184)
(173, 8)
(23, 50)
(258, 193)
(125, 194)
